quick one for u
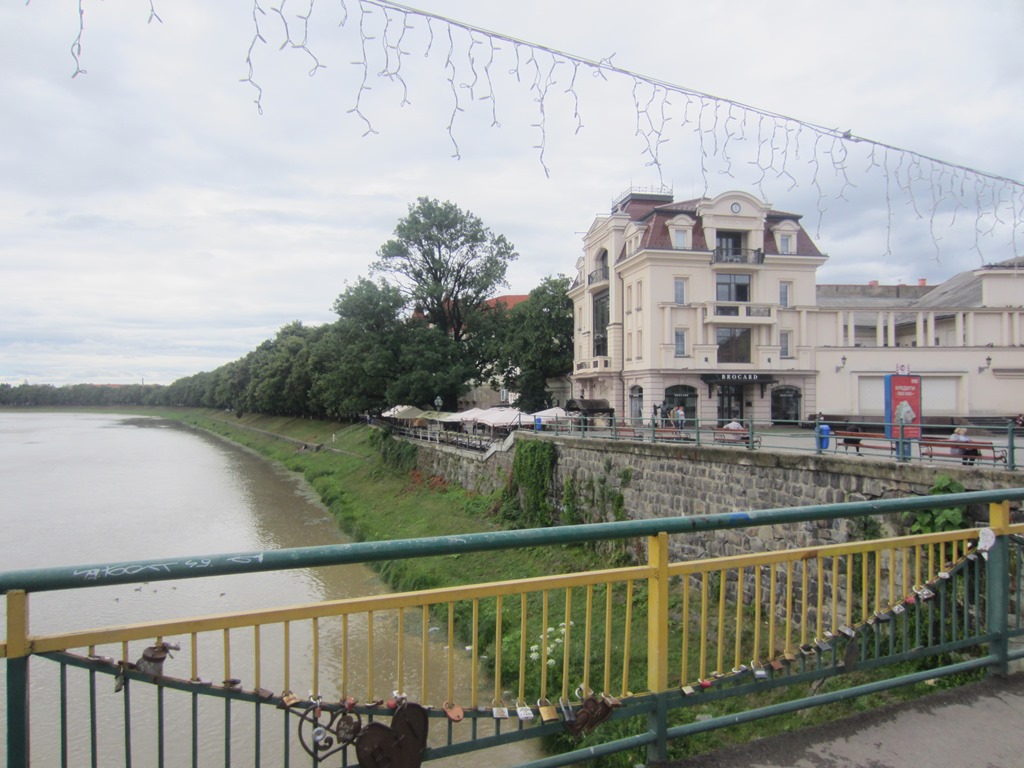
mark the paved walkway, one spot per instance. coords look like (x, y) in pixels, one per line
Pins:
(977, 726)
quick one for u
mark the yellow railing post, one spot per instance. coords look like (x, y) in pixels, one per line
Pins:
(657, 613)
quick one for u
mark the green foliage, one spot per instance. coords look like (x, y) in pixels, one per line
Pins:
(446, 262)
(525, 503)
(399, 455)
(537, 345)
(945, 519)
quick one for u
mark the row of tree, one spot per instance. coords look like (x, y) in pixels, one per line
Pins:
(427, 326)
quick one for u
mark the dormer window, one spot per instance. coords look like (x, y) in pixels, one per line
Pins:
(785, 237)
(680, 231)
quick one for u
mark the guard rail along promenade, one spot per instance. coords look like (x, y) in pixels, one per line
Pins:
(476, 666)
(988, 445)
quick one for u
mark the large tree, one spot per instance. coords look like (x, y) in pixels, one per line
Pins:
(446, 263)
(358, 356)
(537, 344)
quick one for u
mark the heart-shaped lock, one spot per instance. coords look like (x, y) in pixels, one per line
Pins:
(453, 712)
(347, 728)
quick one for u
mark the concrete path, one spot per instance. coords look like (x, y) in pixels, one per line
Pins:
(977, 726)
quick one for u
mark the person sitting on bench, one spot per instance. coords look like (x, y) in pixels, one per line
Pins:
(853, 442)
(970, 455)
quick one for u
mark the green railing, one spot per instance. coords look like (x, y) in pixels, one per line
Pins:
(640, 645)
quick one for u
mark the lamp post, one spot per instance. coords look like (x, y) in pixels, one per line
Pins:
(438, 402)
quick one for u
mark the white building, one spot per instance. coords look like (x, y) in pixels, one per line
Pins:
(713, 304)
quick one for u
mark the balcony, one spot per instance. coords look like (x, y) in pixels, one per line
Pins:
(598, 276)
(739, 313)
(737, 256)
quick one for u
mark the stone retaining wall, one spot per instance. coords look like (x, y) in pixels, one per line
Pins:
(631, 480)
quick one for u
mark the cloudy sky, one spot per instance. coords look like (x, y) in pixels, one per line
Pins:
(155, 221)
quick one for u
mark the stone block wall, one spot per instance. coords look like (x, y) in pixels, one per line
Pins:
(664, 480)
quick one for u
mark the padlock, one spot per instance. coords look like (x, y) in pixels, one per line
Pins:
(453, 712)
(944, 575)
(898, 609)
(705, 683)
(823, 645)
(548, 714)
(847, 632)
(688, 690)
(884, 616)
(264, 694)
(498, 710)
(347, 728)
(523, 712)
(568, 714)
(288, 699)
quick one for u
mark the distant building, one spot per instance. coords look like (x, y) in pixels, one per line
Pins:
(712, 304)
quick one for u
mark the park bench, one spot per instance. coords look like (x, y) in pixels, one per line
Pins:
(941, 448)
(672, 435)
(735, 437)
(629, 433)
(877, 441)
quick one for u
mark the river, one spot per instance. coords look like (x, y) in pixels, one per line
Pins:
(97, 488)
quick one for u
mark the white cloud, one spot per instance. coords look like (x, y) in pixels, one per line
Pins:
(153, 224)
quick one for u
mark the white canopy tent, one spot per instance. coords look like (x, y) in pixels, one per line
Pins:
(550, 414)
(501, 417)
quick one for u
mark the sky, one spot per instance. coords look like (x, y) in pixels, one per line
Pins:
(161, 216)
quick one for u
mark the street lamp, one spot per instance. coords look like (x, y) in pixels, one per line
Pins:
(438, 402)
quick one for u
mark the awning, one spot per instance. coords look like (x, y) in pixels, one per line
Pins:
(550, 414)
(501, 417)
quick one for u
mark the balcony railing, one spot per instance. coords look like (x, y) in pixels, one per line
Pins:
(598, 276)
(751, 312)
(737, 256)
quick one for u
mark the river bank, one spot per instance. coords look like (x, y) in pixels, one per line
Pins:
(371, 501)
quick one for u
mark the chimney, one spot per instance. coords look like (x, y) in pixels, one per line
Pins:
(922, 281)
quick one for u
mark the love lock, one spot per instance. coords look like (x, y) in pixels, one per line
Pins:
(348, 727)
(548, 714)
(453, 712)
(399, 746)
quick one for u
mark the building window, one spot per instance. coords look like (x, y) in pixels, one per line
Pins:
(733, 345)
(785, 343)
(601, 324)
(504, 395)
(680, 239)
(629, 346)
(785, 293)
(680, 290)
(729, 245)
(680, 343)
(629, 299)
(639, 295)
(639, 345)
(732, 287)
(786, 244)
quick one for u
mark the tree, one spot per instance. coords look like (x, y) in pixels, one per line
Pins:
(446, 263)
(358, 356)
(538, 343)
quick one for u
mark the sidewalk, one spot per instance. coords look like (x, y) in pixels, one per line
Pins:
(977, 726)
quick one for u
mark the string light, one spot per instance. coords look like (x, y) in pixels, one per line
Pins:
(778, 144)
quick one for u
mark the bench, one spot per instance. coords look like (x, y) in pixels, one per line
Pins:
(735, 437)
(672, 435)
(876, 441)
(629, 433)
(935, 448)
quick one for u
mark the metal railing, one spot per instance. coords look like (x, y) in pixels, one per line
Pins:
(649, 638)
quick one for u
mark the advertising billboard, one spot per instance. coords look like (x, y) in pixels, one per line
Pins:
(902, 406)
